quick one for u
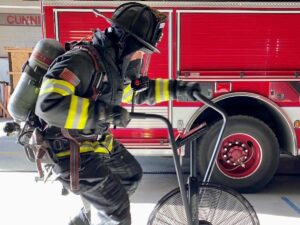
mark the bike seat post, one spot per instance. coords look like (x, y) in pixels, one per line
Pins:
(193, 159)
(193, 185)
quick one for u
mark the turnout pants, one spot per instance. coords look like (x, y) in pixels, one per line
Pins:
(106, 182)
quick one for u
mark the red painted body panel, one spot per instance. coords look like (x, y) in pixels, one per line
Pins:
(239, 41)
(80, 26)
(298, 136)
(283, 92)
(48, 19)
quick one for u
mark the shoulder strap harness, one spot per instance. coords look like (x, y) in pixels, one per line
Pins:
(97, 84)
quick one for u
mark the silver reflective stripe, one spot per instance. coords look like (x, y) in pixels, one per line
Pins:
(53, 87)
(161, 90)
(78, 112)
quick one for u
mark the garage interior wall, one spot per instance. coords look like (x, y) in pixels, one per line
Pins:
(14, 33)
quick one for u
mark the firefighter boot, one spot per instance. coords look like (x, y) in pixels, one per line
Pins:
(82, 218)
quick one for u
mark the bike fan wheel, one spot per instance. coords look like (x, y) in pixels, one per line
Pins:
(216, 206)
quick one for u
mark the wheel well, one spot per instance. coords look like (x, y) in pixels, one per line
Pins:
(255, 106)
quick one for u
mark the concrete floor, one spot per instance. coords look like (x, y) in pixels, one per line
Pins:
(23, 201)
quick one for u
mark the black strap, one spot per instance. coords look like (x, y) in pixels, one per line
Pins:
(36, 73)
(92, 52)
(95, 56)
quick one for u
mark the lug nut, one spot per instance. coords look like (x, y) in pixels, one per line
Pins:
(228, 161)
(225, 156)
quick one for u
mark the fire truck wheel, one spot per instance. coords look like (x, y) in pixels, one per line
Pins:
(249, 154)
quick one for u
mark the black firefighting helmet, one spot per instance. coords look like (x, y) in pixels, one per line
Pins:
(141, 22)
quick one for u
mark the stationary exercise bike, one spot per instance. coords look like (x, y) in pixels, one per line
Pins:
(199, 203)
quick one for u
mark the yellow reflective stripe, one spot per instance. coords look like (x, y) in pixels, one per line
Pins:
(110, 146)
(127, 94)
(61, 87)
(78, 113)
(108, 142)
(54, 90)
(105, 146)
(63, 154)
(84, 113)
(83, 149)
(166, 91)
(60, 82)
(93, 146)
(88, 144)
(72, 112)
(86, 149)
(162, 92)
(101, 149)
(127, 89)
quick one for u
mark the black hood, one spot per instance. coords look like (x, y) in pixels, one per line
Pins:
(123, 43)
(115, 44)
(106, 45)
(101, 41)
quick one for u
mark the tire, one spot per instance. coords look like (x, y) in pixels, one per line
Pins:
(249, 154)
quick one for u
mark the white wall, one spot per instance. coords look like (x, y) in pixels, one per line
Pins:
(4, 70)
(19, 36)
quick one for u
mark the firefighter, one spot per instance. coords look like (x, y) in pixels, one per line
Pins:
(80, 98)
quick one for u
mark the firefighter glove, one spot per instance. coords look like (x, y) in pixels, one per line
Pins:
(185, 90)
(114, 114)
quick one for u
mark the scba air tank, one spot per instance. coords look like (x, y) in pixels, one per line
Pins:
(23, 99)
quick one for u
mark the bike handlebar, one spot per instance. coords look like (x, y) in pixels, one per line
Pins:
(208, 103)
(197, 96)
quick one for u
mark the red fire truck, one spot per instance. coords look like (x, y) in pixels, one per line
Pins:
(246, 54)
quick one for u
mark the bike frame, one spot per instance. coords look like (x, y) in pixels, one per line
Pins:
(190, 199)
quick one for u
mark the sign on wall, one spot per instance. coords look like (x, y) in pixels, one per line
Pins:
(19, 19)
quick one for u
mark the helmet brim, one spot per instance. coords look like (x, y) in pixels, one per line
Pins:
(110, 21)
